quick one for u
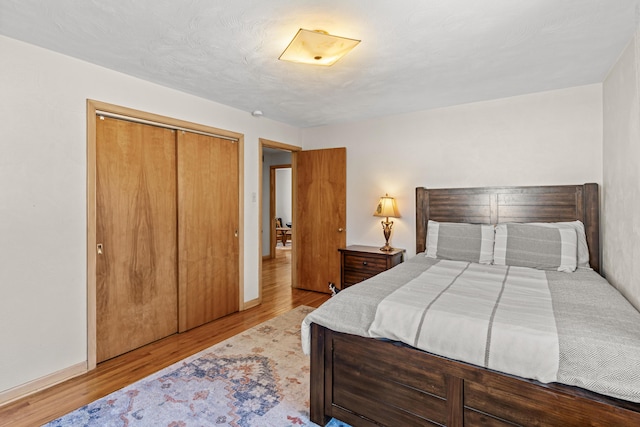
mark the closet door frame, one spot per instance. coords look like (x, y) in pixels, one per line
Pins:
(93, 107)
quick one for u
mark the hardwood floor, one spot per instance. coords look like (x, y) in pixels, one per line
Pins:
(277, 298)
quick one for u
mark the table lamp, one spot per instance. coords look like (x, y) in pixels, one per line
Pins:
(387, 208)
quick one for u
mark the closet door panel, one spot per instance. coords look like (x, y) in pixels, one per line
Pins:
(208, 221)
(136, 266)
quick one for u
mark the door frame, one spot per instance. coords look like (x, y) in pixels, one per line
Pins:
(93, 107)
(280, 146)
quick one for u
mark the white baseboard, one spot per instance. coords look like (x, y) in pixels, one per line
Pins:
(41, 383)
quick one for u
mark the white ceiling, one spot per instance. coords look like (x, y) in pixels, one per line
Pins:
(414, 55)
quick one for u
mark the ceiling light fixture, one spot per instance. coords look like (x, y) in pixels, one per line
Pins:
(317, 47)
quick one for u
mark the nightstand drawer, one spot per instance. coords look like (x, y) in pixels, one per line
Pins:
(368, 263)
(353, 277)
(358, 263)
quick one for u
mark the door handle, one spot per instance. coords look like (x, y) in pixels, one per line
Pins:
(340, 230)
(99, 248)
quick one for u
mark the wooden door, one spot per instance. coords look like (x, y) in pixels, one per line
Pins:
(136, 275)
(208, 221)
(320, 204)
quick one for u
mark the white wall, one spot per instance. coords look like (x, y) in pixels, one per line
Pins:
(43, 197)
(621, 195)
(538, 139)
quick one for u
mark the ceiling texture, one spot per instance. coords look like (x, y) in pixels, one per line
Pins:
(414, 55)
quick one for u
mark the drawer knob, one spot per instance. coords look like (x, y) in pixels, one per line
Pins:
(364, 262)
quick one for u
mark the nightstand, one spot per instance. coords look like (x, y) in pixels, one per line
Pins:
(358, 263)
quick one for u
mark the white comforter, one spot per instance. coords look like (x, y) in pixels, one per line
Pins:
(493, 316)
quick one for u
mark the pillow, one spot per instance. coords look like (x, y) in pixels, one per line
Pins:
(460, 241)
(583, 248)
(536, 246)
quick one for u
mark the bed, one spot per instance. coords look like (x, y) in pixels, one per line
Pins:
(371, 381)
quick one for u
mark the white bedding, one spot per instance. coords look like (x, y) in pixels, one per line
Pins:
(498, 317)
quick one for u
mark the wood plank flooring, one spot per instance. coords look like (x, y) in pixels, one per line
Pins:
(277, 297)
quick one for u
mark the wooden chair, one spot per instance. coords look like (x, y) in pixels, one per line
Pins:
(282, 233)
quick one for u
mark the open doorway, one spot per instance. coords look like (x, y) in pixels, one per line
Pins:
(319, 183)
(276, 198)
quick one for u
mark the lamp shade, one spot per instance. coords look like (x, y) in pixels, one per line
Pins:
(387, 207)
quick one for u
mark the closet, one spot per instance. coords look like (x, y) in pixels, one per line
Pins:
(167, 224)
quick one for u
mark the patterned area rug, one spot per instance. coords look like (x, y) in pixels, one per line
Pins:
(257, 378)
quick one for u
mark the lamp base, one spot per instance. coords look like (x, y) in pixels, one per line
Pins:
(386, 229)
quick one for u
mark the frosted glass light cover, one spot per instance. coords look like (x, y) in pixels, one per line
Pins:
(317, 48)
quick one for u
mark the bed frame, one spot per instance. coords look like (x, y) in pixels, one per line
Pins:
(369, 382)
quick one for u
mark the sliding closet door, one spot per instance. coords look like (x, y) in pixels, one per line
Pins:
(208, 218)
(136, 283)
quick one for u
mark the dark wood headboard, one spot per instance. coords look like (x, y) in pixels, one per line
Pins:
(492, 205)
